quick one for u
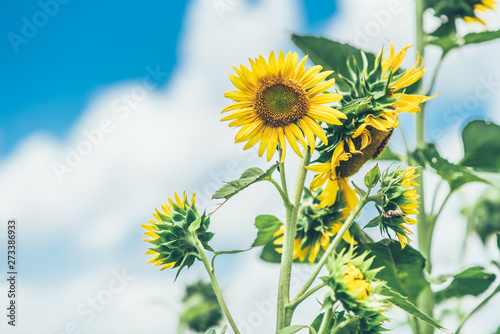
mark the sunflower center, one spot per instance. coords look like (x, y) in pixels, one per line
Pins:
(280, 102)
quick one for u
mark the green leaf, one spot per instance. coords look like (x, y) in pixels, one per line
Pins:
(294, 329)
(472, 281)
(388, 154)
(455, 175)
(481, 146)
(374, 222)
(372, 177)
(331, 55)
(453, 41)
(404, 304)
(403, 268)
(250, 176)
(266, 225)
(269, 254)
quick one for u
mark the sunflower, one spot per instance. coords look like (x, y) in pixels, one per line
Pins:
(354, 285)
(468, 10)
(316, 226)
(400, 201)
(375, 100)
(172, 240)
(280, 101)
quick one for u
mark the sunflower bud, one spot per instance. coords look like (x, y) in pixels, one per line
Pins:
(316, 226)
(174, 231)
(398, 202)
(353, 283)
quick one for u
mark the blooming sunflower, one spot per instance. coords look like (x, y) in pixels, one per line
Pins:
(468, 10)
(316, 226)
(172, 240)
(399, 202)
(375, 100)
(280, 101)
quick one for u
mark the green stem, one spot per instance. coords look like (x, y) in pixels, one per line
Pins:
(296, 301)
(425, 225)
(282, 173)
(334, 244)
(215, 285)
(323, 329)
(284, 196)
(436, 72)
(292, 210)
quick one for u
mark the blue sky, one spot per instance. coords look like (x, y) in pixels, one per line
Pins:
(49, 75)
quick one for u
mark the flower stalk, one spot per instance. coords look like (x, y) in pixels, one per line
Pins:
(215, 284)
(292, 211)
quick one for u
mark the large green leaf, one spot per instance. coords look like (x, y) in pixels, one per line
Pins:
(250, 176)
(481, 146)
(266, 225)
(455, 175)
(331, 55)
(453, 41)
(403, 303)
(403, 268)
(472, 281)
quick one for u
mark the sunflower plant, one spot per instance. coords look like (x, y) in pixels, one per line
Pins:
(337, 108)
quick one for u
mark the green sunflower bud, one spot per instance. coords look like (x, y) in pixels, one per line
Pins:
(316, 226)
(354, 285)
(174, 231)
(396, 201)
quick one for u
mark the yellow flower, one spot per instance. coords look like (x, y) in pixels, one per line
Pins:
(356, 283)
(479, 8)
(279, 101)
(316, 226)
(406, 102)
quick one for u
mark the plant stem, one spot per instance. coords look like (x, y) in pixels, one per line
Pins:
(292, 211)
(296, 301)
(215, 285)
(425, 225)
(323, 329)
(334, 244)
(282, 173)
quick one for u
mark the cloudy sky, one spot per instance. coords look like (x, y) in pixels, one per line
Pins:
(111, 108)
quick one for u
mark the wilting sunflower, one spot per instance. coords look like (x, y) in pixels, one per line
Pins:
(316, 226)
(173, 242)
(280, 101)
(399, 202)
(374, 101)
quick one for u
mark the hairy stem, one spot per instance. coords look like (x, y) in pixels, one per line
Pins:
(325, 323)
(425, 225)
(215, 285)
(292, 211)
